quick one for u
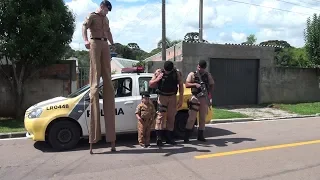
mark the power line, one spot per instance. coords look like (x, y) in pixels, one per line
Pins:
(267, 7)
(297, 5)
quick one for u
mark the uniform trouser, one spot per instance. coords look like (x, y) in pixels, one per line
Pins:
(144, 130)
(197, 105)
(100, 66)
(167, 108)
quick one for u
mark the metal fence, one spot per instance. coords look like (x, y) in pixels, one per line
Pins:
(83, 76)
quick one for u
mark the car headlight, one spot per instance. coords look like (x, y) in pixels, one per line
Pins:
(35, 113)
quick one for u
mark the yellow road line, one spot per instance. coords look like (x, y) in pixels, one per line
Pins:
(256, 149)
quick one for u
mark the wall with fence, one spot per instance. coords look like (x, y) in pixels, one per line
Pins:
(56, 80)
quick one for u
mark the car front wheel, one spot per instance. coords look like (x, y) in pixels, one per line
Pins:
(64, 135)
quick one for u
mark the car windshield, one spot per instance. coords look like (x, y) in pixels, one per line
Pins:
(79, 91)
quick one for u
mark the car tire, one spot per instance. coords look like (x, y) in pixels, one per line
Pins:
(180, 123)
(64, 135)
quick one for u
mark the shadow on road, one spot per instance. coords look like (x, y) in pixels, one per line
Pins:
(130, 141)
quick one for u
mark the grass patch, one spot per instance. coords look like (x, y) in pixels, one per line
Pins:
(225, 114)
(11, 125)
(301, 108)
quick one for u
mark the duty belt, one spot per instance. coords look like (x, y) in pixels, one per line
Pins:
(102, 39)
(165, 94)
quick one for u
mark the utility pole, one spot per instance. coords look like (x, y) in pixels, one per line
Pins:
(201, 20)
(164, 42)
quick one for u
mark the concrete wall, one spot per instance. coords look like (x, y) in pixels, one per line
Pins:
(289, 85)
(205, 51)
(53, 81)
(192, 52)
(173, 53)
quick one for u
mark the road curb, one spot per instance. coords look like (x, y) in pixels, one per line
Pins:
(12, 135)
(218, 121)
(230, 120)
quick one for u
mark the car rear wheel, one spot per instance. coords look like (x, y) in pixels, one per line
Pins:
(64, 135)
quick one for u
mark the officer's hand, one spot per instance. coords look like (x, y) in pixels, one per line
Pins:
(87, 44)
(198, 85)
(159, 76)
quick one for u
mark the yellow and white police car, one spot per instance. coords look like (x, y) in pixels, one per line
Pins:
(62, 121)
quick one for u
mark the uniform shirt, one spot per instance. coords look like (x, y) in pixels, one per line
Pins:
(190, 78)
(98, 25)
(145, 111)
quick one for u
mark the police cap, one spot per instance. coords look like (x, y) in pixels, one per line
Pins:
(145, 94)
(203, 64)
(107, 4)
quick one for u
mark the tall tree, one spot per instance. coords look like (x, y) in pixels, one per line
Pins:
(33, 34)
(312, 39)
(133, 46)
(251, 39)
(282, 43)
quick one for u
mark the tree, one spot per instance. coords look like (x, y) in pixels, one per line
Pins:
(281, 43)
(193, 37)
(140, 63)
(251, 39)
(133, 46)
(33, 34)
(287, 55)
(168, 43)
(312, 39)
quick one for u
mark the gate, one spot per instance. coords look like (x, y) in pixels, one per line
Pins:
(83, 76)
(236, 81)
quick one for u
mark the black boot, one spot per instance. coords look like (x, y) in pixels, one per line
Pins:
(187, 135)
(159, 137)
(200, 136)
(169, 138)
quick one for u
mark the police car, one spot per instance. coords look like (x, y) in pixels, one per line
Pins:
(63, 121)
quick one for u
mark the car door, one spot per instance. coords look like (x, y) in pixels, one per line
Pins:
(125, 104)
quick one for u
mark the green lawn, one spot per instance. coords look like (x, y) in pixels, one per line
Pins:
(11, 125)
(301, 108)
(224, 114)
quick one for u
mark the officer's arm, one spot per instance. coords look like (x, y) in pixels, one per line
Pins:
(138, 112)
(86, 24)
(181, 89)
(189, 81)
(153, 82)
(211, 82)
(109, 34)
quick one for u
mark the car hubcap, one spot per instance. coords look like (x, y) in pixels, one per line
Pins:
(64, 135)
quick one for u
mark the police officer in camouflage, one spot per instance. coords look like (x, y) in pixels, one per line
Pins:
(167, 81)
(198, 103)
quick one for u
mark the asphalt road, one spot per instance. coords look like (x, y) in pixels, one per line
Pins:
(274, 156)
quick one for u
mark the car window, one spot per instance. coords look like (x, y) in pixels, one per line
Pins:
(79, 91)
(144, 85)
(122, 87)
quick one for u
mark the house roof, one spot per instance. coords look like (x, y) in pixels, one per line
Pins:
(124, 63)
